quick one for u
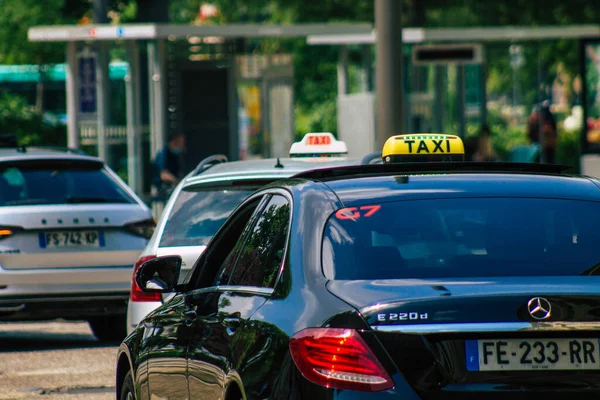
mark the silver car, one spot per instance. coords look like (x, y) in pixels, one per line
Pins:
(198, 207)
(70, 229)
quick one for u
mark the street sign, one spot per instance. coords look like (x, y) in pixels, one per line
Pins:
(86, 68)
(91, 32)
(517, 59)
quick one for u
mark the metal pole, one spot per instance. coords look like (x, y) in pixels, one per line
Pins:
(265, 111)
(541, 137)
(162, 90)
(134, 143)
(155, 143)
(102, 103)
(460, 99)
(390, 85)
(367, 68)
(439, 93)
(72, 96)
(483, 93)
(100, 16)
(342, 71)
(157, 78)
(234, 142)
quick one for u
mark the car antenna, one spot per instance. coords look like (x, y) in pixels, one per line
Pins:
(279, 164)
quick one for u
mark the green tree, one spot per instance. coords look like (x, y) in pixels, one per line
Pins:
(27, 123)
(20, 15)
(15, 48)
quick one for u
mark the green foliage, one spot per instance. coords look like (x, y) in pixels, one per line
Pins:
(506, 138)
(18, 118)
(124, 10)
(568, 149)
(319, 118)
(19, 15)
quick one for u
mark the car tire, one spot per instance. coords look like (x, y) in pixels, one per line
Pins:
(109, 329)
(127, 392)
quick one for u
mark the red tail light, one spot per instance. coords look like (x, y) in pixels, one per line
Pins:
(137, 294)
(339, 359)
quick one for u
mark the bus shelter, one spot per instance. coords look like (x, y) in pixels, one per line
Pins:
(87, 69)
(462, 49)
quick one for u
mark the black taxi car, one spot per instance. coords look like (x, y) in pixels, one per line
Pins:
(428, 280)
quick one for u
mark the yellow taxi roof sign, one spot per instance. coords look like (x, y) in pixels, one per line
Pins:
(423, 147)
(319, 144)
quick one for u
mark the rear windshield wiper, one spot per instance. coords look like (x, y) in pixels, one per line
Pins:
(84, 199)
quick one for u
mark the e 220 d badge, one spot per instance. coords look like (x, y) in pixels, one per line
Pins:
(401, 316)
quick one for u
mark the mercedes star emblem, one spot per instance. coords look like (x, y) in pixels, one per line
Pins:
(539, 308)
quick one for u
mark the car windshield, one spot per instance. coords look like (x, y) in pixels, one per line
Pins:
(466, 237)
(199, 212)
(58, 182)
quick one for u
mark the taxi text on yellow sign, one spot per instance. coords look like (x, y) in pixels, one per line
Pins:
(423, 145)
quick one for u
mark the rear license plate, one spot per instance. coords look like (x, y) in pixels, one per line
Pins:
(61, 239)
(532, 354)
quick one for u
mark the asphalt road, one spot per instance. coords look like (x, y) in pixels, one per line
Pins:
(54, 360)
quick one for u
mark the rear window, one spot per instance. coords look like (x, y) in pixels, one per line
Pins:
(58, 182)
(467, 237)
(198, 214)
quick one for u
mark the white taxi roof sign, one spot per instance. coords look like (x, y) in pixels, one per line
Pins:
(319, 144)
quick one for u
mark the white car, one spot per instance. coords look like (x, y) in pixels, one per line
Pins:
(70, 229)
(198, 207)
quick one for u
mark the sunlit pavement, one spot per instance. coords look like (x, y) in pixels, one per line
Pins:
(54, 360)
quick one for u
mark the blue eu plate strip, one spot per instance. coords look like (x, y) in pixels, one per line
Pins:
(101, 239)
(42, 239)
(471, 352)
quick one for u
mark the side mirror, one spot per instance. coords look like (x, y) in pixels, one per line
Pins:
(159, 274)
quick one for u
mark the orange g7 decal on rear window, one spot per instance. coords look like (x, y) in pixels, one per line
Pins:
(356, 212)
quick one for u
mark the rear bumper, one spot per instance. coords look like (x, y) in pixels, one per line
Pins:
(70, 307)
(73, 293)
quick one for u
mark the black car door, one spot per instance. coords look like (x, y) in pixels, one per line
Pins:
(166, 338)
(223, 332)
(163, 352)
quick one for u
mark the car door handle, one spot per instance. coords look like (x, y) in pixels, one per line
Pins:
(189, 316)
(231, 324)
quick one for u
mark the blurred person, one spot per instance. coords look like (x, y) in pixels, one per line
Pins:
(484, 150)
(166, 166)
(542, 121)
